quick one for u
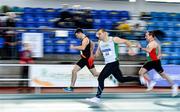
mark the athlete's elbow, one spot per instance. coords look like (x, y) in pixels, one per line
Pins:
(128, 43)
(96, 55)
(82, 48)
(148, 51)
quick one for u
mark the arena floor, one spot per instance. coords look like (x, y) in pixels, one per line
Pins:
(75, 102)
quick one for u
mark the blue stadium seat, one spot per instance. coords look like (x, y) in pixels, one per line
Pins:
(177, 49)
(97, 23)
(58, 10)
(176, 62)
(177, 33)
(170, 34)
(41, 22)
(164, 62)
(39, 10)
(170, 24)
(27, 15)
(174, 59)
(29, 25)
(108, 24)
(71, 34)
(41, 19)
(163, 15)
(152, 24)
(124, 14)
(48, 49)
(177, 26)
(166, 49)
(150, 28)
(61, 48)
(32, 31)
(178, 17)
(115, 20)
(28, 10)
(155, 19)
(30, 20)
(91, 34)
(52, 12)
(154, 14)
(48, 41)
(50, 23)
(60, 40)
(1, 42)
(103, 14)
(95, 14)
(172, 16)
(19, 35)
(19, 22)
(48, 34)
(143, 43)
(163, 24)
(114, 14)
(166, 56)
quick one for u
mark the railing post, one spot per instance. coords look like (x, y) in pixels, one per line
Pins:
(37, 90)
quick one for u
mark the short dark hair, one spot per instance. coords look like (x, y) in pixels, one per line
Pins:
(79, 30)
(101, 29)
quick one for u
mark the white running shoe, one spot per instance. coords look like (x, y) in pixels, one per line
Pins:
(142, 80)
(174, 90)
(151, 85)
(93, 100)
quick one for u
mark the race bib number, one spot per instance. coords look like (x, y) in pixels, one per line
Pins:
(107, 53)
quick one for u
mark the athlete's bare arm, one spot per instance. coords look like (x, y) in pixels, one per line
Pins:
(92, 48)
(98, 52)
(151, 46)
(159, 52)
(124, 41)
(82, 46)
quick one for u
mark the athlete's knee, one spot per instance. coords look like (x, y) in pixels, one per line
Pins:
(162, 74)
(100, 79)
(74, 71)
(141, 73)
(96, 74)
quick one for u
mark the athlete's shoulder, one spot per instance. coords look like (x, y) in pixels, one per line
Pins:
(110, 38)
(153, 44)
(87, 36)
(86, 39)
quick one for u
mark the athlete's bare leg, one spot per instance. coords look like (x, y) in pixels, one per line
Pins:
(163, 75)
(74, 75)
(143, 74)
(94, 72)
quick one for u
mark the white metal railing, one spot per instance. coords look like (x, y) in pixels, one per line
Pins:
(38, 89)
(4, 79)
(58, 64)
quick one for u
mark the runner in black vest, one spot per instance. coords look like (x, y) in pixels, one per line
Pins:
(86, 49)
